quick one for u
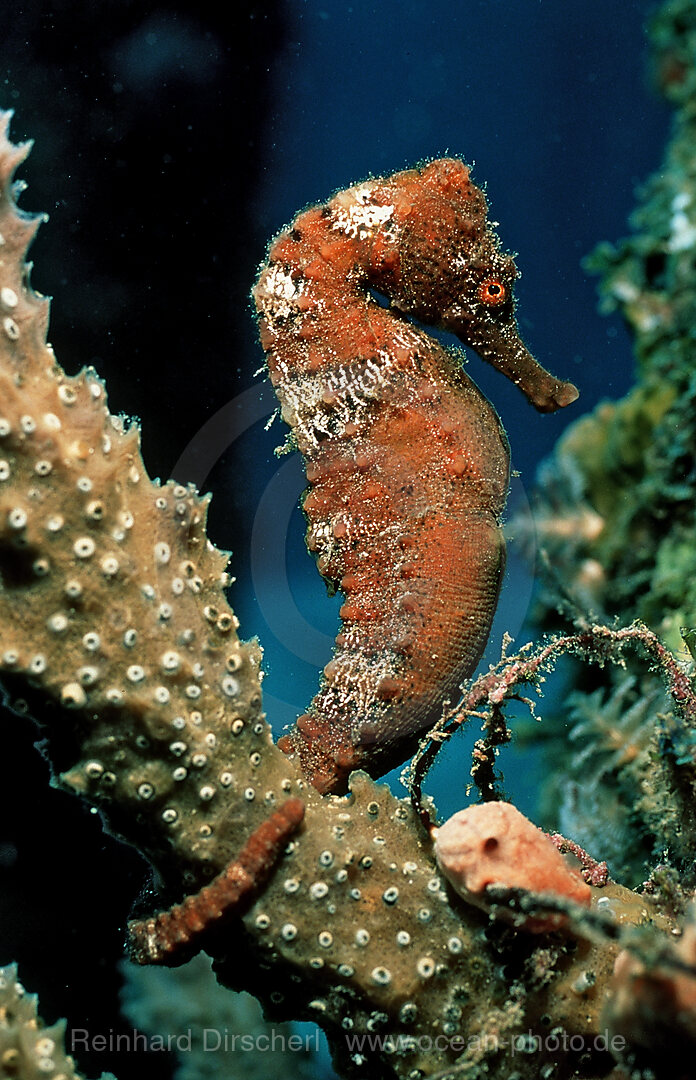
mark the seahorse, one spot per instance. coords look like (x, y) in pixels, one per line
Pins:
(407, 461)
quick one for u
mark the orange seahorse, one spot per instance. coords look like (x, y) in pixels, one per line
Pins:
(407, 461)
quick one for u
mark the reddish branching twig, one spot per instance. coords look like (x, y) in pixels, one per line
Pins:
(597, 644)
(594, 872)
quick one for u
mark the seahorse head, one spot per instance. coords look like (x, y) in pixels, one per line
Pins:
(444, 265)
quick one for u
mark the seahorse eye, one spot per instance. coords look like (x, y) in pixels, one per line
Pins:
(492, 292)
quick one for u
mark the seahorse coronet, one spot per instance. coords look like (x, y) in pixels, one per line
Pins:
(407, 461)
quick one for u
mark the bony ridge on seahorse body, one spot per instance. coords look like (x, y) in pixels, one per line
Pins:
(407, 461)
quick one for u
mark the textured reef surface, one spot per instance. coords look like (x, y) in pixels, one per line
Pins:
(421, 953)
(616, 514)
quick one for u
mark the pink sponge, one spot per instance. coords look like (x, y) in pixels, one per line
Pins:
(494, 844)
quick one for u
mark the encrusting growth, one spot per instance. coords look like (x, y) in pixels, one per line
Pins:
(30, 1049)
(407, 461)
(111, 595)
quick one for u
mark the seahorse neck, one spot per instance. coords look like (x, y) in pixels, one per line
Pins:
(328, 341)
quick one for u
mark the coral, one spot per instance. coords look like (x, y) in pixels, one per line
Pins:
(613, 737)
(101, 569)
(28, 1049)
